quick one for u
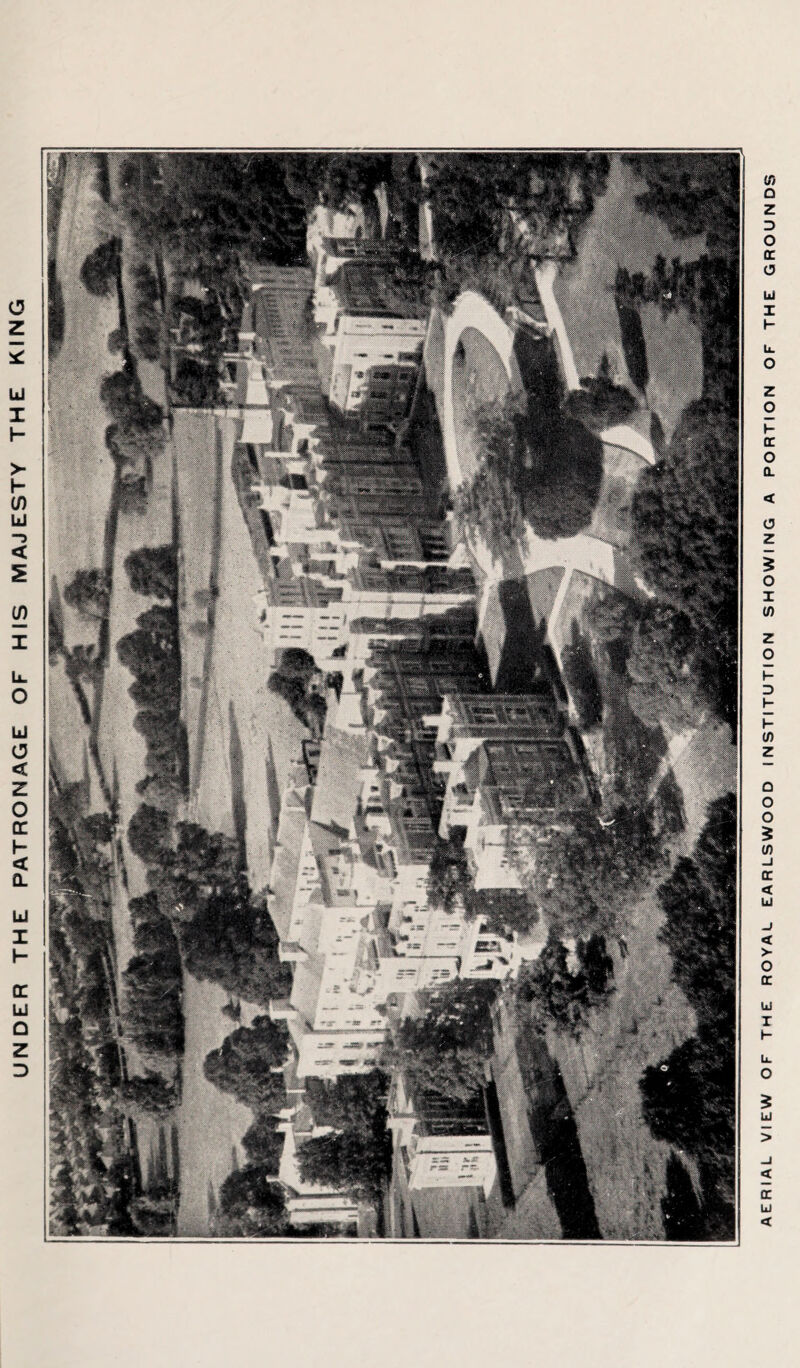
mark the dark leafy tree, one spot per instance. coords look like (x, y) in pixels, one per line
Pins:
(99, 269)
(90, 592)
(117, 340)
(563, 992)
(445, 1050)
(582, 874)
(99, 827)
(689, 1099)
(249, 1064)
(122, 395)
(148, 1094)
(665, 689)
(83, 664)
(149, 833)
(263, 1144)
(345, 1160)
(230, 942)
(451, 886)
(685, 519)
(152, 1011)
(251, 1203)
(153, 571)
(599, 403)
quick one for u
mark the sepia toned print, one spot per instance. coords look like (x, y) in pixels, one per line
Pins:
(392, 534)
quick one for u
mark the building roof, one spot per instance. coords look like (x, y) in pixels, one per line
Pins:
(306, 987)
(338, 787)
(377, 287)
(286, 860)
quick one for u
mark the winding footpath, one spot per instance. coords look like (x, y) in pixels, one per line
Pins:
(583, 554)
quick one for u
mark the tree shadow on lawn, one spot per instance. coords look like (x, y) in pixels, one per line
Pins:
(424, 438)
(634, 347)
(680, 1209)
(580, 677)
(238, 804)
(526, 661)
(555, 1134)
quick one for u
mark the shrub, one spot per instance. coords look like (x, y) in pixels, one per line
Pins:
(562, 993)
(117, 340)
(582, 683)
(99, 269)
(612, 616)
(662, 666)
(148, 339)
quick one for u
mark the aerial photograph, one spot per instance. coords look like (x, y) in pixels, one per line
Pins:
(392, 526)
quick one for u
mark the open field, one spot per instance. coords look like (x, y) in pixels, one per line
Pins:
(80, 471)
(248, 741)
(618, 234)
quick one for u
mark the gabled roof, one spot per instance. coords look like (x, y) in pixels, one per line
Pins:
(338, 787)
(306, 987)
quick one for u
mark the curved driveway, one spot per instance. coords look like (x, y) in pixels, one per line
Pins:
(583, 553)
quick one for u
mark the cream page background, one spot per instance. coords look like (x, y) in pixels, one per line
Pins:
(422, 74)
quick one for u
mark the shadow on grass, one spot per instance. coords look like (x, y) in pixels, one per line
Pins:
(424, 438)
(555, 1134)
(238, 804)
(680, 1208)
(580, 677)
(526, 661)
(633, 344)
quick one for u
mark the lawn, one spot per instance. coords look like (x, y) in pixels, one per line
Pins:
(618, 234)
(479, 378)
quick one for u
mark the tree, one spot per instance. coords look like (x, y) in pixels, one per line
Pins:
(153, 571)
(335, 178)
(263, 1144)
(132, 445)
(249, 1064)
(445, 1050)
(117, 340)
(599, 403)
(195, 384)
(252, 1203)
(122, 395)
(89, 591)
(83, 663)
(612, 615)
(470, 193)
(582, 874)
(345, 1160)
(230, 942)
(451, 885)
(689, 1099)
(99, 269)
(562, 992)
(699, 902)
(152, 1012)
(665, 689)
(350, 1100)
(148, 1094)
(685, 515)
(99, 827)
(491, 505)
(149, 833)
